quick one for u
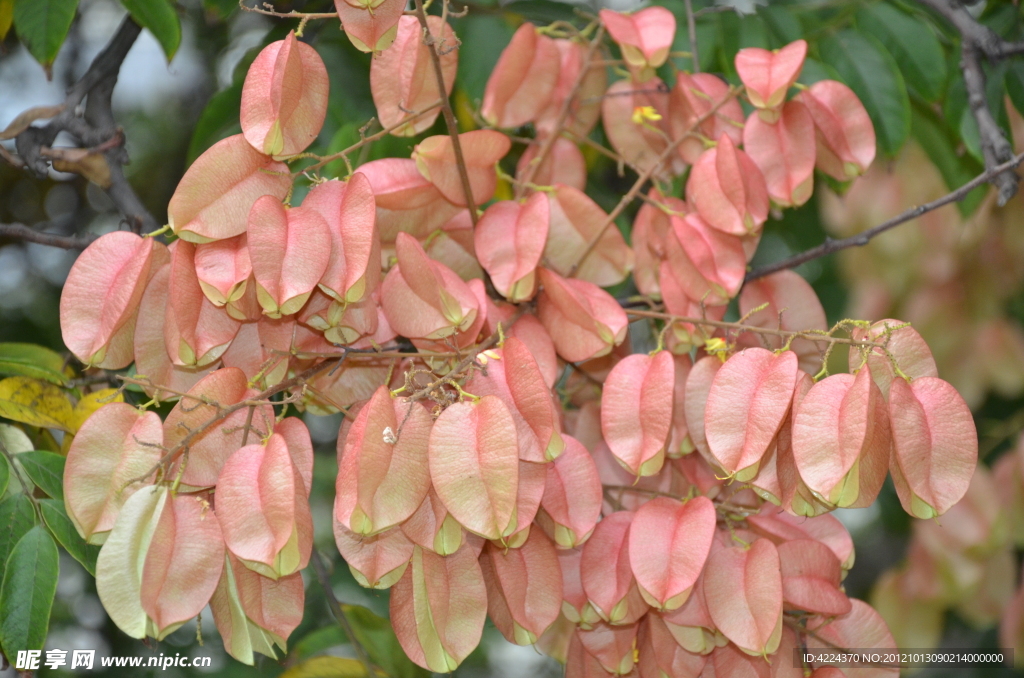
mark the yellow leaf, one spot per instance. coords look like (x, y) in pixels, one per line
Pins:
(6, 17)
(36, 403)
(464, 111)
(327, 667)
(92, 402)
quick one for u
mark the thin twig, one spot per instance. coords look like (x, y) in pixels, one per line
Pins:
(691, 27)
(646, 175)
(93, 127)
(446, 108)
(223, 412)
(67, 242)
(4, 452)
(607, 152)
(993, 46)
(995, 148)
(976, 41)
(373, 137)
(810, 335)
(268, 10)
(563, 114)
(861, 239)
(339, 612)
(462, 365)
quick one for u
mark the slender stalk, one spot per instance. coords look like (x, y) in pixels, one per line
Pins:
(373, 137)
(261, 8)
(861, 239)
(563, 114)
(67, 242)
(691, 27)
(646, 175)
(809, 335)
(339, 612)
(446, 108)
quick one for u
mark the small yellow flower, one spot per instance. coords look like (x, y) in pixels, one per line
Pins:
(642, 113)
(717, 346)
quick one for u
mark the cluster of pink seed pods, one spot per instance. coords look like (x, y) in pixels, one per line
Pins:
(644, 522)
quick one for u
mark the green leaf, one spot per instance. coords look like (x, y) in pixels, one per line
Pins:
(5, 475)
(783, 27)
(346, 136)
(995, 93)
(872, 74)
(317, 642)
(912, 43)
(160, 18)
(46, 469)
(16, 518)
(707, 41)
(1014, 81)
(218, 120)
(32, 360)
(15, 439)
(376, 635)
(815, 71)
(26, 597)
(541, 11)
(42, 25)
(939, 143)
(483, 36)
(326, 667)
(222, 9)
(56, 518)
(735, 33)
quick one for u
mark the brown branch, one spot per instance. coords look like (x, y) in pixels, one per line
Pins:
(95, 127)
(861, 239)
(225, 412)
(810, 335)
(426, 391)
(267, 10)
(983, 37)
(446, 108)
(606, 152)
(691, 27)
(373, 137)
(339, 612)
(647, 174)
(563, 113)
(995, 147)
(67, 242)
(978, 40)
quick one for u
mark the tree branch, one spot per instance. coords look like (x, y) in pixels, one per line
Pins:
(446, 108)
(983, 37)
(563, 113)
(67, 242)
(978, 40)
(643, 178)
(994, 146)
(691, 27)
(324, 160)
(861, 239)
(262, 8)
(93, 127)
(339, 612)
(818, 336)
